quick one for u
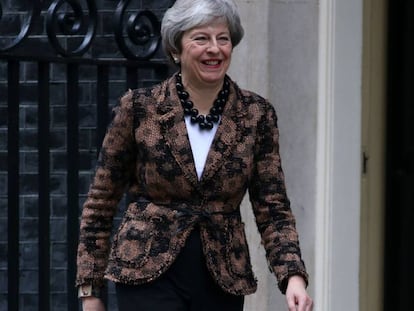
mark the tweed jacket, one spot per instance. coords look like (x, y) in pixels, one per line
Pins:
(147, 152)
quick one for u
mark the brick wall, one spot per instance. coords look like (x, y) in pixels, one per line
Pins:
(104, 45)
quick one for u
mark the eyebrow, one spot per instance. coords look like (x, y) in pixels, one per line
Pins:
(200, 32)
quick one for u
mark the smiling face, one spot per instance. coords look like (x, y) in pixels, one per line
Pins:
(206, 54)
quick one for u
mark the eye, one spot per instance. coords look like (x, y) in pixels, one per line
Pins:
(224, 39)
(200, 39)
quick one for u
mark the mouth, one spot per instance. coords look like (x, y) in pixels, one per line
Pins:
(212, 62)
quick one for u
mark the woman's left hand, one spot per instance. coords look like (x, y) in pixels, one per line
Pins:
(296, 296)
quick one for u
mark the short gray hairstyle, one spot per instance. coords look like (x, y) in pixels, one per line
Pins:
(187, 14)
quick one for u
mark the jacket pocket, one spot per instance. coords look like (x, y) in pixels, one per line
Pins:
(133, 241)
(237, 252)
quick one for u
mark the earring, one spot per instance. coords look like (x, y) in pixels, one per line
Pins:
(176, 59)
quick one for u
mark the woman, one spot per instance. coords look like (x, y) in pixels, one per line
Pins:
(188, 149)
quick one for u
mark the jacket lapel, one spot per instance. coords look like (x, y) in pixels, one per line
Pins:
(175, 132)
(227, 135)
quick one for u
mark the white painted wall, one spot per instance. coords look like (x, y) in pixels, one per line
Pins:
(305, 57)
(339, 153)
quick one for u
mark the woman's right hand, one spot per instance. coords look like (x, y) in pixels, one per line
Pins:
(92, 304)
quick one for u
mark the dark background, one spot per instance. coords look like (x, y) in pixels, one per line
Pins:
(399, 243)
(24, 221)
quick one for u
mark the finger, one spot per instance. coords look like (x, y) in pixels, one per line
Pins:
(309, 304)
(301, 306)
(304, 303)
(291, 303)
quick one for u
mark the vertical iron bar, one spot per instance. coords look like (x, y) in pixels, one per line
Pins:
(132, 77)
(102, 104)
(13, 185)
(44, 189)
(72, 180)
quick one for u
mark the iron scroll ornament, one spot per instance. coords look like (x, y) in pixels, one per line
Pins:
(71, 23)
(26, 27)
(142, 32)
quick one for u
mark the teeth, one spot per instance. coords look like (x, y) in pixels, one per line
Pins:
(212, 62)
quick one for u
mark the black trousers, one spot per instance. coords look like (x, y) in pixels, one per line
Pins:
(186, 286)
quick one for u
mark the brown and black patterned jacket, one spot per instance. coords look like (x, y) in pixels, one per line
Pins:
(147, 150)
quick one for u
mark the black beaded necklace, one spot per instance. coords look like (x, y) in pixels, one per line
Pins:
(204, 122)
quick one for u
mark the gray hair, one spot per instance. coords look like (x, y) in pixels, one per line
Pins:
(187, 14)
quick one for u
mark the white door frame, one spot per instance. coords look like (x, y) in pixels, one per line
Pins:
(338, 156)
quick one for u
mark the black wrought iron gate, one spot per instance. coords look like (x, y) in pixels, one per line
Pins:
(63, 64)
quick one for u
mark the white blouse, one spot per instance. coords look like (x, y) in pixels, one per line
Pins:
(200, 141)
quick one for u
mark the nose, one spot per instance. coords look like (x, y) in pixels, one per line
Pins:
(213, 46)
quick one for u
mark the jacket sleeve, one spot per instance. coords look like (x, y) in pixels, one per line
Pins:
(113, 172)
(271, 206)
